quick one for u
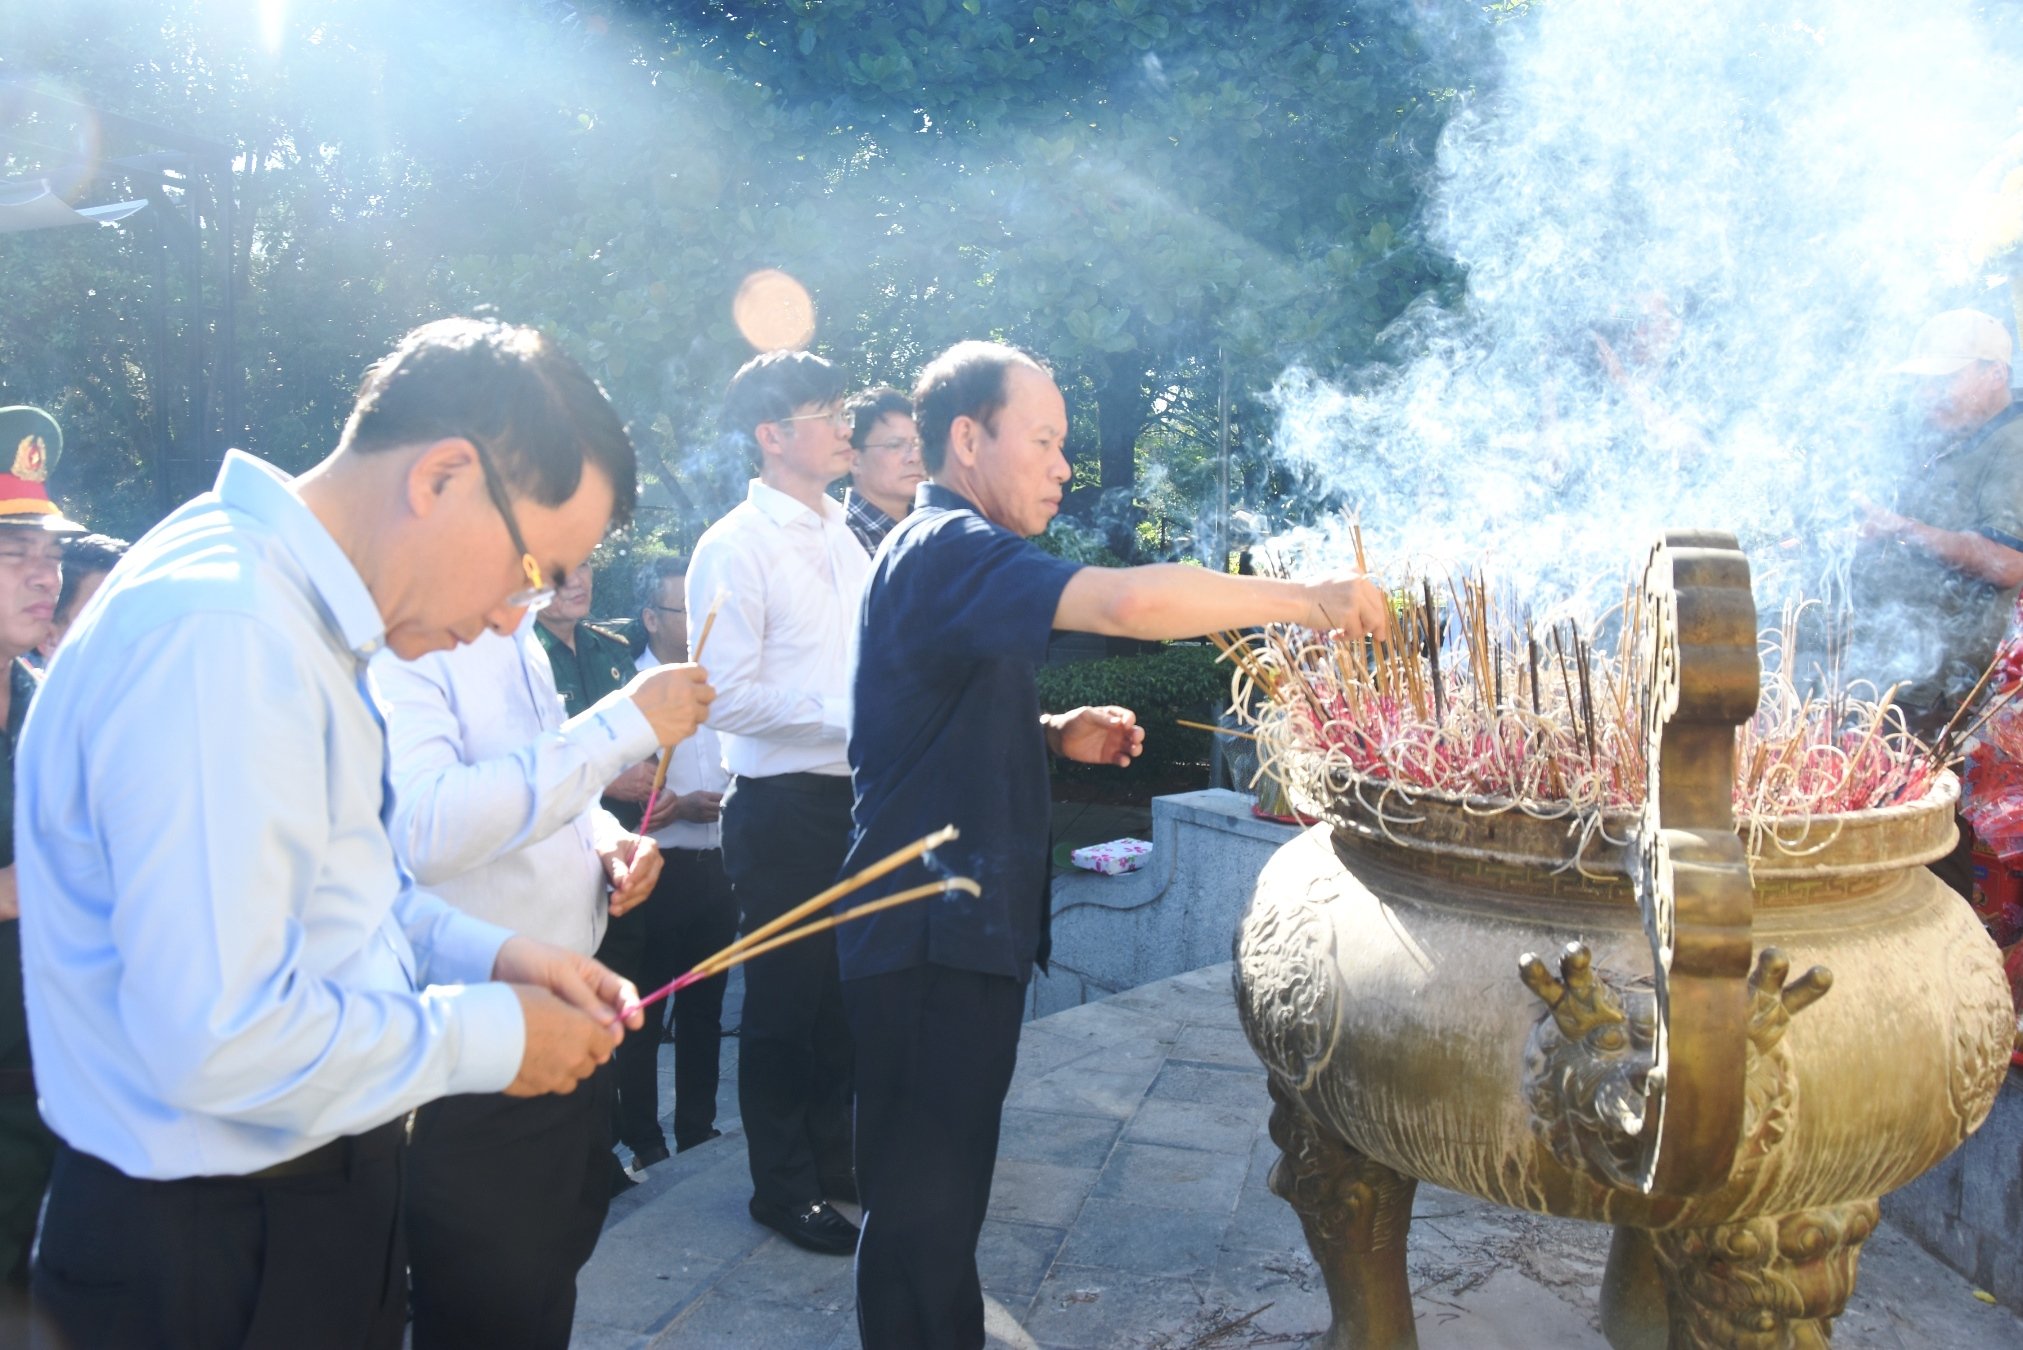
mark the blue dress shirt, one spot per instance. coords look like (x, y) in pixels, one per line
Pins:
(955, 622)
(224, 962)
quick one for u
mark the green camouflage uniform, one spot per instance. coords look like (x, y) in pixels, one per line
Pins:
(27, 1148)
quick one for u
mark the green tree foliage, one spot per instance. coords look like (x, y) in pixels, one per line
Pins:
(1141, 193)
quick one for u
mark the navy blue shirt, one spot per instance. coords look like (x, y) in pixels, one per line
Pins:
(946, 731)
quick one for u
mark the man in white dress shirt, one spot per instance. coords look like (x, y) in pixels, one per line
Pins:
(235, 993)
(495, 810)
(692, 913)
(789, 575)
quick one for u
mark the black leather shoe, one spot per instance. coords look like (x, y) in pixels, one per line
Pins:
(817, 1226)
(643, 1158)
(680, 1147)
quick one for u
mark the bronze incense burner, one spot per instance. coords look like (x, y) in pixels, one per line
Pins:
(1730, 1062)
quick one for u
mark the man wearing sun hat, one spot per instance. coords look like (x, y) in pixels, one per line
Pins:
(32, 531)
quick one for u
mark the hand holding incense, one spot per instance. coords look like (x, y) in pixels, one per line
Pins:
(750, 944)
(667, 752)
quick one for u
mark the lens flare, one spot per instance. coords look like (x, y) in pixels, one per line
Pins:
(774, 311)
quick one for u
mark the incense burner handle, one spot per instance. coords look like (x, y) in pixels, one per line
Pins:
(1690, 867)
(1642, 1086)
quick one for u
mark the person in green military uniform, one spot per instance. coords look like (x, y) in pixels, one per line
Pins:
(32, 531)
(591, 661)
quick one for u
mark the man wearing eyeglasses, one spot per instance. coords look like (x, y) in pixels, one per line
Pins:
(236, 996)
(691, 914)
(885, 464)
(784, 574)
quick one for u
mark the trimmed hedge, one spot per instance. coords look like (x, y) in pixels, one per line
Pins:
(1178, 680)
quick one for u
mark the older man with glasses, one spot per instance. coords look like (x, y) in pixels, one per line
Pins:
(236, 996)
(784, 574)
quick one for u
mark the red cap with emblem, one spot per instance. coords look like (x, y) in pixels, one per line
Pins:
(30, 444)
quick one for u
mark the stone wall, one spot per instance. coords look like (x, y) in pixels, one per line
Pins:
(1176, 913)
(1968, 1211)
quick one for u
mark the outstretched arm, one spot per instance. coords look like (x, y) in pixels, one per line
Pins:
(1962, 550)
(1166, 600)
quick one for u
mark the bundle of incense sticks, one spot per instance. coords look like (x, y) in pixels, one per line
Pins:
(667, 751)
(782, 931)
(1470, 699)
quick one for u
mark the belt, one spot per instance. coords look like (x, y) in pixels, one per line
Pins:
(801, 780)
(334, 1156)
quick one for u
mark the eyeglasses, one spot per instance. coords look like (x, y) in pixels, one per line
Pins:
(838, 420)
(910, 446)
(537, 593)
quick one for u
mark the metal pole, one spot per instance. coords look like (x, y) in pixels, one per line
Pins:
(1222, 473)
(230, 386)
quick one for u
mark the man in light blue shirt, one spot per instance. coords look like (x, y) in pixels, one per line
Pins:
(235, 994)
(495, 809)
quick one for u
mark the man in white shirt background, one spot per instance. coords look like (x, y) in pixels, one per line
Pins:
(692, 913)
(495, 810)
(788, 575)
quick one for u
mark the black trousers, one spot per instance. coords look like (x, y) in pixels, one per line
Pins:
(689, 916)
(505, 1198)
(935, 1051)
(27, 1151)
(293, 1264)
(784, 840)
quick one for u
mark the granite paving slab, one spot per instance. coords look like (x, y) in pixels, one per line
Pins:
(1131, 1208)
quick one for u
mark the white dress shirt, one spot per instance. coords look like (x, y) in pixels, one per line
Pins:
(224, 961)
(495, 796)
(780, 653)
(697, 767)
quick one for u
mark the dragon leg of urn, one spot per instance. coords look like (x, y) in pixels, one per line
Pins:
(1778, 1281)
(1770, 1283)
(1356, 1214)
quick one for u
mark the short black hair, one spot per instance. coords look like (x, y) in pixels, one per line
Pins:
(873, 406)
(657, 572)
(86, 555)
(513, 388)
(967, 380)
(771, 385)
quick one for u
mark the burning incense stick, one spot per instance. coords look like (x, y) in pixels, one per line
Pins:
(667, 751)
(1431, 710)
(724, 960)
(751, 943)
(1220, 731)
(718, 964)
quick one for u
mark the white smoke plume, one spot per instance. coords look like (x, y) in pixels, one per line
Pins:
(1752, 204)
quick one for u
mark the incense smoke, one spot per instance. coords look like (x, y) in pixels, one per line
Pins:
(1746, 208)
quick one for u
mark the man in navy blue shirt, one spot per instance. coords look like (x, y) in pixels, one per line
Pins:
(948, 730)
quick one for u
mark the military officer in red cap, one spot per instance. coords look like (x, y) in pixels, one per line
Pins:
(32, 531)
